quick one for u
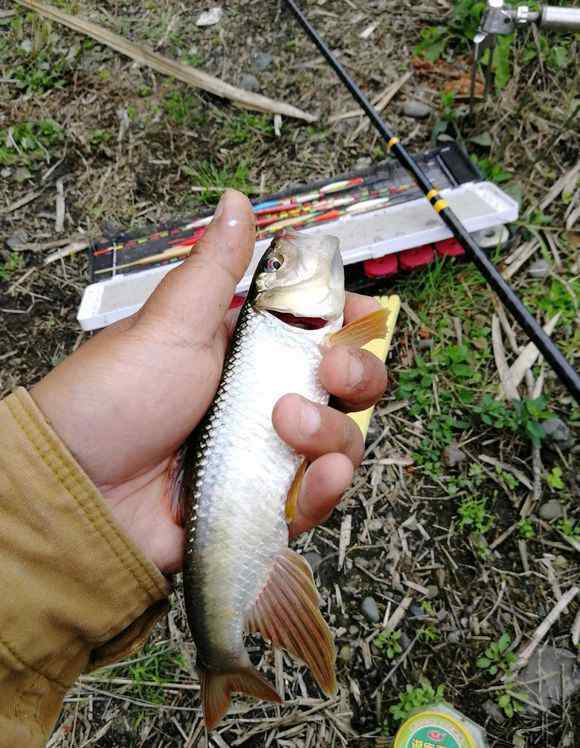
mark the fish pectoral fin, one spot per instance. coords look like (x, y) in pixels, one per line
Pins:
(175, 488)
(294, 492)
(217, 689)
(287, 613)
(361, 331)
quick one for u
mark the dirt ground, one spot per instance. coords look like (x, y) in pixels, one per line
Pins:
(448, 513)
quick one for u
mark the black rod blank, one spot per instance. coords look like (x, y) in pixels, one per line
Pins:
(561, 366)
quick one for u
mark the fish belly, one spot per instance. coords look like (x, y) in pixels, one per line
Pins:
(243, 475)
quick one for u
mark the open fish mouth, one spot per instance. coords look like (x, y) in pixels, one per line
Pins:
(302, 323)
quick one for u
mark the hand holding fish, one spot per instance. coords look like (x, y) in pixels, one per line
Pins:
(126, 400)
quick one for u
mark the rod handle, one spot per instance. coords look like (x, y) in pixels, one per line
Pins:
(559, 19)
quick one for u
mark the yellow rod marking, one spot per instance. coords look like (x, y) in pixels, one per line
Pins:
(392, 142)
(432, 194)
(440, 205)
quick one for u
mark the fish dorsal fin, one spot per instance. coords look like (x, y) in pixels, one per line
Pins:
(294, 492)
(361, 331)
(217, 689)
(174, 491)
(287, 613)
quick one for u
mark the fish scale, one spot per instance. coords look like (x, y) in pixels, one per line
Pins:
(243, 475)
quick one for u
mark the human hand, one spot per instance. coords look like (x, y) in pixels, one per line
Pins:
(126, 400)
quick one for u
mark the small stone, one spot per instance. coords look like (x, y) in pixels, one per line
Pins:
(432, 591)
(453, 455)
(363, 163)
(404, 641)
(417, 612)
(345, 653)
(557, 432)
(416, 109)
(551, 510)
(370, 610)
(353, 630)
(539, 269)
(210, 17)
(249, 82)
(454, 637)
(18, 238)
(314, 559)
(442, 615)
(423, 345)
(493, 710)
(551, 675)
(262, 60)
(375, 524)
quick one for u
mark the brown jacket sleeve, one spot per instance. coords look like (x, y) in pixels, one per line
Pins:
(75, 594)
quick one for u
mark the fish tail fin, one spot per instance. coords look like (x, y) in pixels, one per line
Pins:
(217, 689)
(287, 613)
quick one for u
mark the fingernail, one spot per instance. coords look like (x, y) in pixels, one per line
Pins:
(308, 419)
(228, 209)
(355, 370)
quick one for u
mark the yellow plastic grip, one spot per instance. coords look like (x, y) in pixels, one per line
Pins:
(380, 347)
(440, 205)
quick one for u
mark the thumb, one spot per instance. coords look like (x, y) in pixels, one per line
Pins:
(193, 299)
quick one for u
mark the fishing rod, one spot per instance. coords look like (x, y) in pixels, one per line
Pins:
(561, 366)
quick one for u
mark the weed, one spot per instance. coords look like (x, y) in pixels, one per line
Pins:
(28, 142)
(569, 528)
(530, 413)
(13, 264)
(491, 171)
(473, 514)
(215, 179)
(497, 658)
(428, 634)
(388, 643)
(416, 696)
(526, 528)
(244, 126)
(554, 479)
(507, 699)
(182, 109)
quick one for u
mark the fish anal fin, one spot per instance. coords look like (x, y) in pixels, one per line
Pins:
(287, 613)
(217, 689)
(294, 492)
(361, 331)
(174, 488)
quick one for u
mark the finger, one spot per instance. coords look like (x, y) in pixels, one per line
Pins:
(314, 430)
(203, 286)
(356, 377)
(357, 306)
(324, 483)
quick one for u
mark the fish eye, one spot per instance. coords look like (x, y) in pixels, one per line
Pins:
(274, 263)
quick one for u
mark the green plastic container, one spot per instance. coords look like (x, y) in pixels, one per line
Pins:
(439, 726)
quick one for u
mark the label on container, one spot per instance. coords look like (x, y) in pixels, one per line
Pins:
(433, 730)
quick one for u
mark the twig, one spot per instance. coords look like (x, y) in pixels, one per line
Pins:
(545, 626)
(399, 613)
(21, 202)
(166, 66)
(70, 249)
(530, 354)
(507, 383)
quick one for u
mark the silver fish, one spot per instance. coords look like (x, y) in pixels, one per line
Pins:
(239, 481)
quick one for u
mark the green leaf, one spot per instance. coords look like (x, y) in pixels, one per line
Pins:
(493, 669)
(504, 642)
(483, 662)
(501, 60)
(483, 139)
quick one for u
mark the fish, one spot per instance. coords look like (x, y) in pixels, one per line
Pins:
(237, 483)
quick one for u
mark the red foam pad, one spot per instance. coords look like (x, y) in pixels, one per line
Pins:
(416, 258)
(382, 267)
(449, 248)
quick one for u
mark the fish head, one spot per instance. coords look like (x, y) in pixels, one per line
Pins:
(302, 278)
